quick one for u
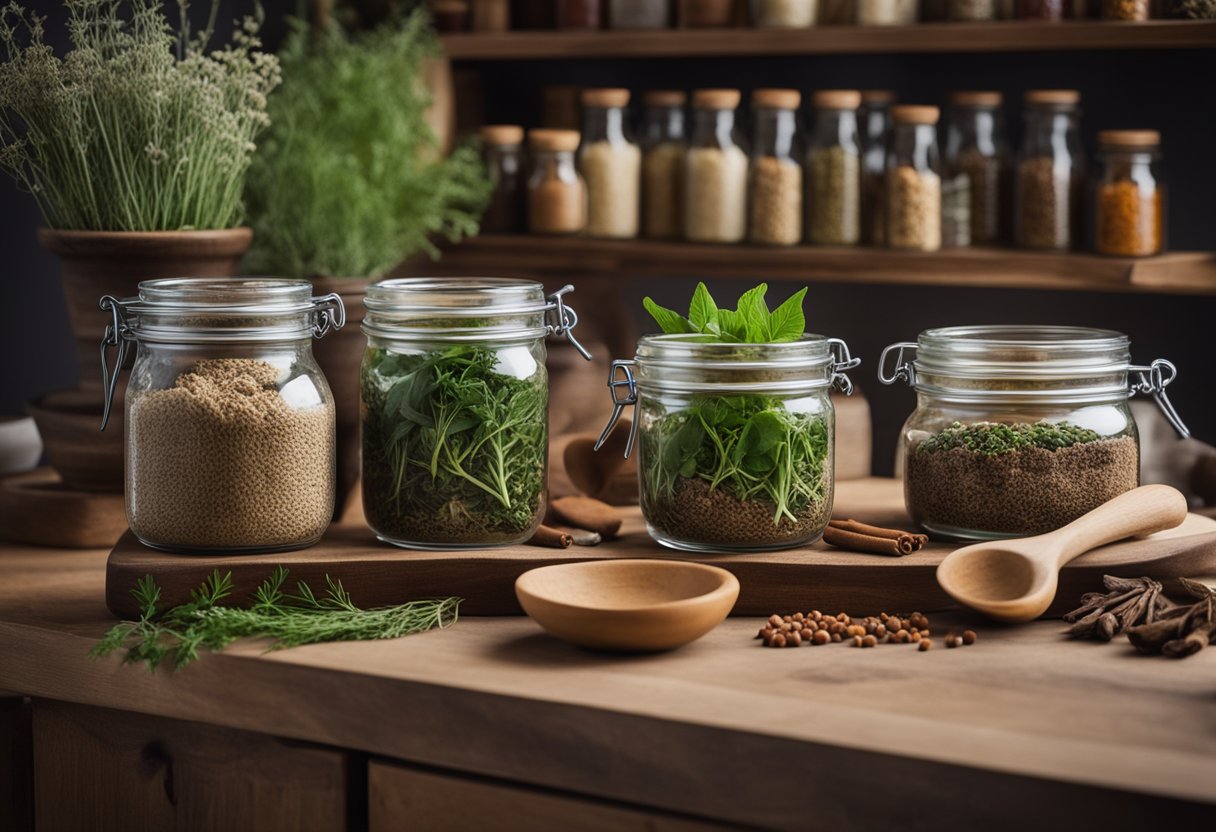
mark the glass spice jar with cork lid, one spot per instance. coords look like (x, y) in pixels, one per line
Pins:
(1019, 430)
(887, 12)
(875, 118)
(557, 194)
(914, 183)
(715, 171)
(579, 14)
(1129, 198)
(229, 420)
(834, 170)
(639, 14)
(1050, 172)
(977, 157)
(503, 152)
(784, 14)
(1051, 10)
(610, 163)
(775, 178)
(663, 151)
(1134, 11)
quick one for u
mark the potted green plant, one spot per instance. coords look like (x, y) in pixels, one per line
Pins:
(134, 144)
(350, 180)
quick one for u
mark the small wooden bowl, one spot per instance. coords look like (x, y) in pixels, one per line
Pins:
(70, 424)
(628, 605)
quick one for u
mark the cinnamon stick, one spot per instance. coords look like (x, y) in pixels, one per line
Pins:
(551, 537)
(862, 537)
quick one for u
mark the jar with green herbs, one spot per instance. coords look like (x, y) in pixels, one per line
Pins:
(914, 182)
(875, 126)
(230, 422)
(735, 437)
(775, 178)
(663, 149)
(833, 162)
(1019, 430)
(1049, 182)
(455, 409)
(976, 164)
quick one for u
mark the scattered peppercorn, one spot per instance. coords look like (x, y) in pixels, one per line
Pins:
(925, 644)
(816, 628)
(969, 636)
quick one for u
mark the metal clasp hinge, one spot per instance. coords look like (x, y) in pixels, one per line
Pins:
(1152, 381)
(842, 363)
(904, 369)
(565, 319)
(624, 390)
(117, 337)
(331, 314)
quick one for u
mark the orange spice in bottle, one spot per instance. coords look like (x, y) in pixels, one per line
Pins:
(1130, 194)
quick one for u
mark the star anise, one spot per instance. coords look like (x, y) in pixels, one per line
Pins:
(1182, 630)
(1128, 602)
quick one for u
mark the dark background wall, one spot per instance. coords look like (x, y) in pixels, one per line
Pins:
(1169, 90)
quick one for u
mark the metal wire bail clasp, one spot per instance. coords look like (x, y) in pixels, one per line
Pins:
(117, 337)
(330, 312)
(564, 319)
(842, 362)
(904, 369)
(1152, 381)
(624, 390)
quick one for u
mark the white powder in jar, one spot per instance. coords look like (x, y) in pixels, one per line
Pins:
(612, 171)
(715, 195)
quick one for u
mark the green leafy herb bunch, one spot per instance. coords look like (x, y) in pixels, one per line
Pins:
(138, 127)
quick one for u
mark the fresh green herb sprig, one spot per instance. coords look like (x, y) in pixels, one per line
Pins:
(176, 635)
(750, 322)
(994, 438)
(454, 449)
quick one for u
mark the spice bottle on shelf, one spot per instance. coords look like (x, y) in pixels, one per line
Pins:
(887, 12)
(229, 419)
(557, 194)
(454, 398)
(1050, 172)
(972, 10)
(875, 117)
(1042, 9)
(1130, 194)
(579, 14)
(784, 14)
(836, 13)
(705, 14)
(914, 184)
(610, 163)
(503, 152)
(1129, 10)
(639, 14)
(775, 178)
(1019, 430)
(663, 151)
(833, 165)
(977, 159)
(491, 15)
(715, 171)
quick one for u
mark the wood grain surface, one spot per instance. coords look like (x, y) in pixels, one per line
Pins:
(36, 507)
(819, 575)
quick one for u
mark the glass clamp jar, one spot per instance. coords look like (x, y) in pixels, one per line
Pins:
(715, 172)
(833, 162)
(611, 165)
(455, 397)
(557, 194)
(503, 153)
(1050, 172)
(914, 183)
(1019, 430)
(229, 420)
(775, 179)
(975, 191)
(1129, 195)
(736, 441)
(663, 151)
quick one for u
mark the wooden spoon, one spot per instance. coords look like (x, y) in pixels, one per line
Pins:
(1015, 580)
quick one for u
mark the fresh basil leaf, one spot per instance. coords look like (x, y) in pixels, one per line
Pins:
(787, 323)
(669, 320)
(731, 325)
(754, 312)
(702, 311)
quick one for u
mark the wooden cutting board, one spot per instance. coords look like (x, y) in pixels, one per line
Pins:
(815, 577)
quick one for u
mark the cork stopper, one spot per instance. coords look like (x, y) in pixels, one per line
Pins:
(545, 139)
(1053, 97)
(605, 97)
(665, 98)
(915, 114)
(837, 99)
(975, 98)
(1129, 138)
(877, 97)
(716, 99)
(502, 135)
(777, 99)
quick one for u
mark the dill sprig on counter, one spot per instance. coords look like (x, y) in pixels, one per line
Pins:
(177, 634)
(993, 438)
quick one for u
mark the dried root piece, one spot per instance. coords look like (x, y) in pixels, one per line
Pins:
(1128, 602)
(1181, 631)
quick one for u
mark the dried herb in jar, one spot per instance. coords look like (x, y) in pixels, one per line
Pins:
(834, 210)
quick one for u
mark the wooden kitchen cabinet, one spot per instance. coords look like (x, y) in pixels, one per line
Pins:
(102, 769)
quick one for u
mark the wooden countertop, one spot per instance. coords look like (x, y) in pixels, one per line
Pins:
(997, 733)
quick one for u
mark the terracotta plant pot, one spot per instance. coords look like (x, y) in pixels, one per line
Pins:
(86, 458)
(340, 355)
(97, 263)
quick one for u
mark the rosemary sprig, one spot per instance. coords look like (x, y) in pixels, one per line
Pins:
(177, 634)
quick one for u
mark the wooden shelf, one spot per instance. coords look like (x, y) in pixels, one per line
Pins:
(822, 40)
(1192, 273)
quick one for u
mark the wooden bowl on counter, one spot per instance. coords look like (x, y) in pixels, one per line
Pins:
(628, 605)
(86, 458)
